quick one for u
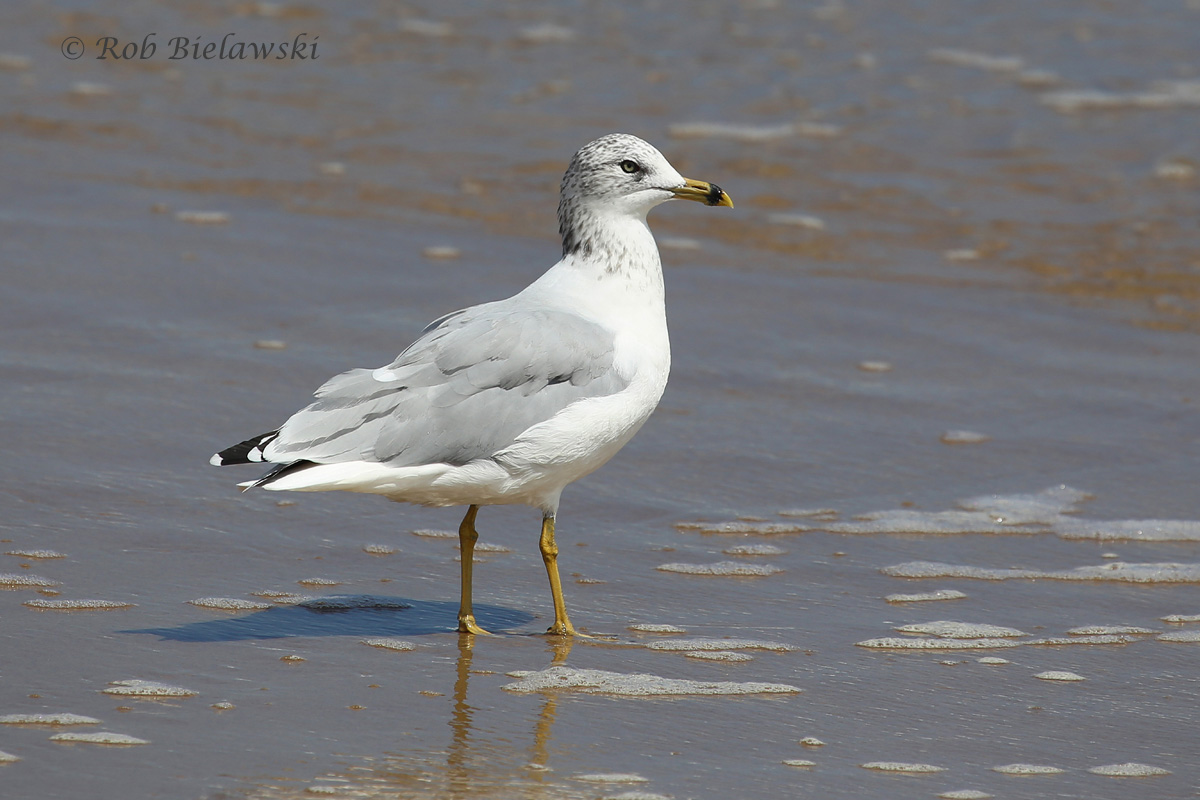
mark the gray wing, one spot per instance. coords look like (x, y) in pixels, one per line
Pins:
(473, 382)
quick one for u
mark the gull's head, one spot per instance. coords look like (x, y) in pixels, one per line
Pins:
(620, 175)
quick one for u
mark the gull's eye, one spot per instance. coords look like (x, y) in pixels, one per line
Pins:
(630, 166)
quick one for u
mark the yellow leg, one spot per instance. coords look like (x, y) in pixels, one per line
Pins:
(562, 623)
(467, 536)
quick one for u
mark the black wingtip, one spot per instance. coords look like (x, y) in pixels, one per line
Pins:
(247, 452)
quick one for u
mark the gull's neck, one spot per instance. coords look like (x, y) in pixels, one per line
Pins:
(612, 270)
(612, 242)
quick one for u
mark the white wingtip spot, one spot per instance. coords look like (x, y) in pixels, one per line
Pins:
(216, 460)
(255, 454)
(383, 375)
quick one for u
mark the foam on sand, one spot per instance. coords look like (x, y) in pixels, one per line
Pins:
(595, 681)
(952, 635)
(1059, 641)
(798, 221)
(284, 598)
(547, 33)
(718, 655)
(139, 688)
(38, 554)
(999, 514)
(902, 766)
(1035, 513)
(1059, 675)
(1027, 769)
(679, 243)
(969, 58)
(815, 513)
(203, 217)
(8, 758)
(491, 547)
(100, 737)
(721, 569)
(964, 437)
(719, 644)
(1113, 571)
(653, 627)
(77, 605)
(1160, 95)
(434, 29)
(1030, 513)
(426, 533)
(229, 604)
(48, 719)
(949, 629)
(15, 61)
(751, 133)
(1174, 169)
(925, 522)
(1129, 769)
(1038, 508)
(10, 580)
(611, 777)
(1038, 78)
(389, 643)
(1142, 530)
(754, 550)
(922, 597)
(319, 582)
(1109, 630)
(743, 526)
(899, 643)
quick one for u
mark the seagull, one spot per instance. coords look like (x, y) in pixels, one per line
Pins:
(508, 402)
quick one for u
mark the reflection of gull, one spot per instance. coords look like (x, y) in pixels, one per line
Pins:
(508, 402)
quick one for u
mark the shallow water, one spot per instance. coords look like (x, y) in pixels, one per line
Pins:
(944, 280)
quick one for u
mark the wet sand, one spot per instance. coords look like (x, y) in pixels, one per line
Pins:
(963, 264)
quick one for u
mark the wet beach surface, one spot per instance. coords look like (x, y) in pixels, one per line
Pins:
(946, 343)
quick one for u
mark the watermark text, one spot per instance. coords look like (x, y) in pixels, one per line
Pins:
(229, 47)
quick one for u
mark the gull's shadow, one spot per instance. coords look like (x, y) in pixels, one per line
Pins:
(355, 615)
